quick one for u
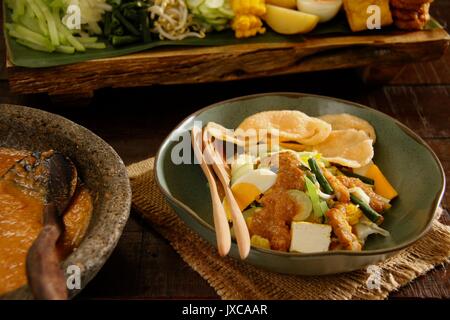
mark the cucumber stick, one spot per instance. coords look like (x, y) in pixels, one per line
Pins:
(37, 25)
(303, 204)
(318, 211)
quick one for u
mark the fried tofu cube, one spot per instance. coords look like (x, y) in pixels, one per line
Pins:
(310, 237)
(359, 15)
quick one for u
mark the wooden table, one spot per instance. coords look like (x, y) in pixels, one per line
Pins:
(372, 54)
(379, 56)
(136, 120)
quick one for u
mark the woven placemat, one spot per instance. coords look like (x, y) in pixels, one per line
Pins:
(233, 279)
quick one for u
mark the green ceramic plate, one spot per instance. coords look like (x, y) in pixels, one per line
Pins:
(407, 161)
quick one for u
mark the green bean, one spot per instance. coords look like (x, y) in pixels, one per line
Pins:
(115, 23)
(145, 26)
(123, 40)
(367, 209)
(107, 24)
(128, 25)
(131, 14)
(119, 31)
(320, 177)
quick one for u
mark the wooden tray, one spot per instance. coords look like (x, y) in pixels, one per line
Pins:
(376, 53)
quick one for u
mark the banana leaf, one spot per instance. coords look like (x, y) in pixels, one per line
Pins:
(22, 56)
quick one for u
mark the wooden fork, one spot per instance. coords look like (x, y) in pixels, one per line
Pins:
(240, 227)
(223, 236)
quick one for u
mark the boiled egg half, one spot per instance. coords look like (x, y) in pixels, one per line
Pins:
(324, 9)
(248, 187)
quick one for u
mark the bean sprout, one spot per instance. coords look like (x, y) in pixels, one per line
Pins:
(173, 21)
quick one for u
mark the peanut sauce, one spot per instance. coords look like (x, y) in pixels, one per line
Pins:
(274, 219)
(21, 221)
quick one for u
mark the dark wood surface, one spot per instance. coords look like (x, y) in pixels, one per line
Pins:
(136, 120)
(244, 61)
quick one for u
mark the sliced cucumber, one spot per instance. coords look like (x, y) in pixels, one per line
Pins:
(209, 13)
(304, 204)
(217, 21)
(318, 214)
(214, 4)
(228, 12)
(324, 206)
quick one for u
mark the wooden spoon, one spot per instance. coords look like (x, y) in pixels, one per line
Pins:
(240, 227)
(52, 177)
(223, 236)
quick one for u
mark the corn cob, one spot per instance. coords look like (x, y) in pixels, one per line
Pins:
(253, 7)
(260, 242)
(247, 22)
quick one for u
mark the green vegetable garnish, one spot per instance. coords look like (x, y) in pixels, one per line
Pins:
(318, 211)
(37, 24)
(367, 209)
(127, 23)
(214, 15)
(320, 177)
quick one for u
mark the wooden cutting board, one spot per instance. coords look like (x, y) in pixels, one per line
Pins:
(375, 53)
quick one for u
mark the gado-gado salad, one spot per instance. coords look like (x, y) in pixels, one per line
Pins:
(303, 184)
(69, 26)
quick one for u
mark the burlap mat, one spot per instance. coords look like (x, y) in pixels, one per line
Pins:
(236, 280)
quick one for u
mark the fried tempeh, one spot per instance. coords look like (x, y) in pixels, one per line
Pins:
(342, 229)
(339, 188)
(409, 4)
(376, 202)
(410, 14)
